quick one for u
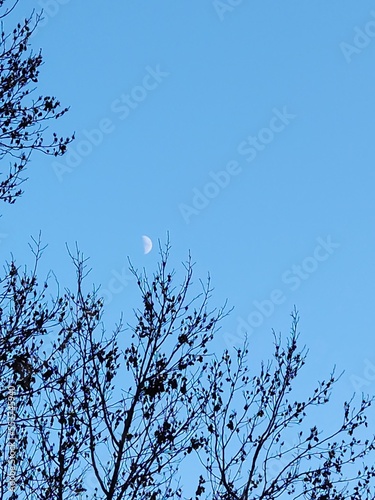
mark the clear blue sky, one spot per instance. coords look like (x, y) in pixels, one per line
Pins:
(278, 96)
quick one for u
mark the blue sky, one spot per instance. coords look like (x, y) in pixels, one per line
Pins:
(166, 96)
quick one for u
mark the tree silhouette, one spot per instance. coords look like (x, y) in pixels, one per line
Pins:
(131, 406)
(248, 431)
(23, 116)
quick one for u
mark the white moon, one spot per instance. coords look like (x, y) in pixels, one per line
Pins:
(147, 244)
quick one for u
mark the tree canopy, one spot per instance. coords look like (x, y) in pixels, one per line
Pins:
(24, 115)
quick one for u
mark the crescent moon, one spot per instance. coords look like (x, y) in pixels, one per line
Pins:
(147, 244)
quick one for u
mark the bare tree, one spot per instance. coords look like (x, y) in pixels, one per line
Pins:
(131, 406)
(23, 116)
(27, 317)
(249, 423)
(72, 415)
